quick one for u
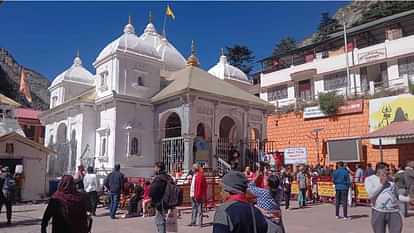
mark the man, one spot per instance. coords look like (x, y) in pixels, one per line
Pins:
(302, 184)
(287, 186)
(369, 171)
(7, 189)
(342, 183)
(198, 194)
(114, 183)
(359, 174)
(90, 184)
(409, 179)
(236, 214)
(399, 179)
(384, 198)
(156, 193)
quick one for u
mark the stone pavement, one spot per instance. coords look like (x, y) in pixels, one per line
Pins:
(318, 219)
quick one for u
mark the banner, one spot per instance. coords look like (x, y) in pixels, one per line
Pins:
(350, 107)
(296, 155)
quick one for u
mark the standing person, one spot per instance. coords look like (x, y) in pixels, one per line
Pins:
(268, 201)
(359, 174)
(90, 183)
(369, 171)
(79, 175)
(314, 185)
(198, 194)
(384, 198)
(399, 179)
(147, 199)
(8, 188)
(409, 178)
(67, 208)
(157, 194)
(234, 160)
(287, 180)
(249, 174)
(236, 214)
(342, 183)
(115, 183)
(302, 184)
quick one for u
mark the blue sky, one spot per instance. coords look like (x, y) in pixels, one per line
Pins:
(44, 36)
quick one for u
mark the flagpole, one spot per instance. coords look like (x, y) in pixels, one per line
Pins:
(163, 27)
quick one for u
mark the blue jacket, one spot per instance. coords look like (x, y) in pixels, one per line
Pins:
(341, 179)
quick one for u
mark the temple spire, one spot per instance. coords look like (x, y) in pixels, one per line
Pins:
(150, 17)
(192, 59)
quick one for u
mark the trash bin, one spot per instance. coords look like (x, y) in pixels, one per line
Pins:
(53, 186)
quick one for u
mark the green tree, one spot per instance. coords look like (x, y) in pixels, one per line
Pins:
(240, 56)
(285, 45)
(327, 26)
(385, 8)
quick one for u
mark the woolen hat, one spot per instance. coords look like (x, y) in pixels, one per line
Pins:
(235, 182)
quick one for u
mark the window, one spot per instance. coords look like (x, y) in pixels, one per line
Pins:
(103, 146)
(334, 81)
(54, 101)
(9, 148)
(140, 81)
(277, 93)
(29, 131)
(406, 67)
(134, 146)
(103, 82)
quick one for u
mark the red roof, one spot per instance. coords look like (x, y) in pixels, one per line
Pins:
(27, 113)
(395, 129)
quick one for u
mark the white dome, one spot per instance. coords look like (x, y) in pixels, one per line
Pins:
(75, 73)
(223, 70)
(128, 42)
(170, 57)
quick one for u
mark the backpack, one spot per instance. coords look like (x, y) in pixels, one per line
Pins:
(172, 196)
(9, 185)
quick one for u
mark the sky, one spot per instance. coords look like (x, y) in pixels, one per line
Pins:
(45, 36)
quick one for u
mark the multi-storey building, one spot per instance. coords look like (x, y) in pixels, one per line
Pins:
(376, 61)
(380, 58)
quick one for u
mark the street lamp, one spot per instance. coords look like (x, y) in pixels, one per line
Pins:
(316, 138)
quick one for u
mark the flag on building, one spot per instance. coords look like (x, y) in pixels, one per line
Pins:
(169, 12)
(24, 86)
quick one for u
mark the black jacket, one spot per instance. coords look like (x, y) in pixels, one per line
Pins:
(115, 182)
(157, 189)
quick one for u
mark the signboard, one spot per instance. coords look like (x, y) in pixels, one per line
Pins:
(326, 189)
(296, 155)
(344, 150)
(384, 111)
(350, 107)
(361, 192)
(372, 55)
(201, 150)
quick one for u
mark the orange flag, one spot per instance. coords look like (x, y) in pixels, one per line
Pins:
(24, 86)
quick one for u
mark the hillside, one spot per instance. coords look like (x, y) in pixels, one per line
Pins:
(10, 82)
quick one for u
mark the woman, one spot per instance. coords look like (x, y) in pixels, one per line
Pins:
(268, 201)
(147, 199)
(68, 209)
(249, 174)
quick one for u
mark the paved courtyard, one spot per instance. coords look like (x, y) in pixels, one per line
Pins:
(318, 219)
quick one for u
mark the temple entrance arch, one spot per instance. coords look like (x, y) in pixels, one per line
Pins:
(172, 145)
(228, 129)
(173, 126)
(254, 134)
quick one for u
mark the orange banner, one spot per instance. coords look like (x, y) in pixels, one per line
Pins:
(326, 189)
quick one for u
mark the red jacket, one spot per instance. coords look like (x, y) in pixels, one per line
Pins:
(200, 187)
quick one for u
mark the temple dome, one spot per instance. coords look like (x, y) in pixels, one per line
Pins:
(76, 73)
(224, 70)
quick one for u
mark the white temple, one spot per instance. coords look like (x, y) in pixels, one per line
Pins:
(146, 103)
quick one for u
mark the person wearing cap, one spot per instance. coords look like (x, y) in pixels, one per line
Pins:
(237, 214)
(7, 189)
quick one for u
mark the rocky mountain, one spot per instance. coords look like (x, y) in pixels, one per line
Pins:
(353, 13)
(10, 82)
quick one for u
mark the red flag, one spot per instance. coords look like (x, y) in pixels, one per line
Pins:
(24, 86)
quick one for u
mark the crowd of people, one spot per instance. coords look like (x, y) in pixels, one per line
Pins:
(252, 200)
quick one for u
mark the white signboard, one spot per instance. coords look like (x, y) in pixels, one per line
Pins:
(296, 155)
(313, 112)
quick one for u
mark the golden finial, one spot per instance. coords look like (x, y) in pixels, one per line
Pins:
(150, 17)
(192, 59)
